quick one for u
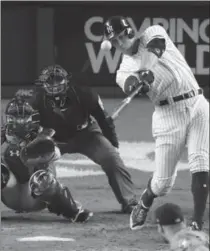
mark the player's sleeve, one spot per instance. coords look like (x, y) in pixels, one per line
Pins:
(155, 39)
(96, 109)
(125, 73)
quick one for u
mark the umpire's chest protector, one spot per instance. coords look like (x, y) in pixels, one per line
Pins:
(66, 120)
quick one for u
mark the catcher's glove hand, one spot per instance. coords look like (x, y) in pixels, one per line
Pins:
(40, 151)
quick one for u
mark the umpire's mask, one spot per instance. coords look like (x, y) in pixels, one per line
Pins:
(56, 85)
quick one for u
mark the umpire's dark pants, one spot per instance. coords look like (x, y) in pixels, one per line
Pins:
(91, 143)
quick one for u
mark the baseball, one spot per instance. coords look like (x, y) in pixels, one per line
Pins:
(106, 45)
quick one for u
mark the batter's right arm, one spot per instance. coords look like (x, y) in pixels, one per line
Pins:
(129, 75)
(123, 73)
(129, 81)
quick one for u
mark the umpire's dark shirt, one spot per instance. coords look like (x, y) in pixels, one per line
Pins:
(81, 104)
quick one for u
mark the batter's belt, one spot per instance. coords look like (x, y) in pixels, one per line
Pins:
(186, 95)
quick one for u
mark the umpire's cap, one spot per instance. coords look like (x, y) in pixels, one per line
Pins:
(168, 214)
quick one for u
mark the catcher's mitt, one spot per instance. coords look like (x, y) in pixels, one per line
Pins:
(188, 240)
(40, 151)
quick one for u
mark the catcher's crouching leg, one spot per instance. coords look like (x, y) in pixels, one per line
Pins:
(46, 187)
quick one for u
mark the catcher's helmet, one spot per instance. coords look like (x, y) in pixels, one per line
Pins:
(21, 118)
(54, 80)
(115, 25)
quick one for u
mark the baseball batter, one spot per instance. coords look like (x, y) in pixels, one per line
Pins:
(181, 115)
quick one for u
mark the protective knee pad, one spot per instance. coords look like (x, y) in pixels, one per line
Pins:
(162, 186)
(44, 185)
(199, 162)
(8, 179)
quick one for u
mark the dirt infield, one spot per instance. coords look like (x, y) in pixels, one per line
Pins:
(108, 230)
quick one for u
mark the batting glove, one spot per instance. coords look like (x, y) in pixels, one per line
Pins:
(131, 83)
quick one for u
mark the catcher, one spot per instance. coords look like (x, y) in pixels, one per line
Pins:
(28, 174)
(173, 229)
(82, 126)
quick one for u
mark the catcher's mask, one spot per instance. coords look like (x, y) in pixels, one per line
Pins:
(54, 80)
(21, 118)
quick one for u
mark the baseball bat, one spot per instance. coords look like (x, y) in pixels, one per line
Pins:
(125, 102)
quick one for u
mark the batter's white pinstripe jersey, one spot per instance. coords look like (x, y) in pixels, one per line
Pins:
(172, 74)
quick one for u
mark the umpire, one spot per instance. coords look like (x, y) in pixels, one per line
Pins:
(82, 126)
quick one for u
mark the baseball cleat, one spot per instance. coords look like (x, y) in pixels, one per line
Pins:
(83, 216)
(195, 226)
(138, 217)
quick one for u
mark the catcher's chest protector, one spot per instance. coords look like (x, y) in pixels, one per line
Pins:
(12, 159)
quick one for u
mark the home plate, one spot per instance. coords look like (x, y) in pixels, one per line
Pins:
(44, 238)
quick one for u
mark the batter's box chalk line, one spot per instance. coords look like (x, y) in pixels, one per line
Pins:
(43, 238)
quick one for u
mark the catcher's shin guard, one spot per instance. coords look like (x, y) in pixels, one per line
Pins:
(8, 179)
(58, 198)
(5, 175)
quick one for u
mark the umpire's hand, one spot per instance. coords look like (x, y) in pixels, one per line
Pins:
(111, 134)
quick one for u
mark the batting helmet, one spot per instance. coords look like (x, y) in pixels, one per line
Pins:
(115, 25)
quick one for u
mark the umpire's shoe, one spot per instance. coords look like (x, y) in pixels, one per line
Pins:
(82, 216)
(138, 217)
